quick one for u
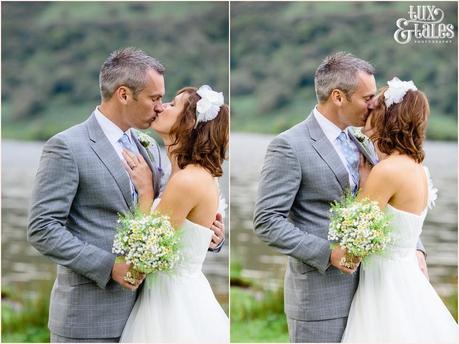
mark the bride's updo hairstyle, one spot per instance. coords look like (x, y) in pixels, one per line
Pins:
(402, 126)
(204, 145)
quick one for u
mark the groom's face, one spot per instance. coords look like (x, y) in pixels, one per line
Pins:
(142, 110)
(355, 111)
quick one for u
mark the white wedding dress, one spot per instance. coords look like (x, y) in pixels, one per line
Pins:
(394, 302)
(179, 306)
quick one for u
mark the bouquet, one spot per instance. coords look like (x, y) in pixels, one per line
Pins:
(148, 242)
(360, 226)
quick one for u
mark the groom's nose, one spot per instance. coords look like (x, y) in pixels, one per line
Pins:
(160, 107)
(371, 103)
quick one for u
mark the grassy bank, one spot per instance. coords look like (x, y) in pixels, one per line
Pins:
(257, 315)
(60, 117)
(440, 127)
(25, 318)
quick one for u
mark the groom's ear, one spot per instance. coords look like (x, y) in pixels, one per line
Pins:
(122, 94)
(336, 97)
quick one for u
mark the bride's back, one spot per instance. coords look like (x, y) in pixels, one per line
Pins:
(206, 188)
(410, 182)
(192, 193)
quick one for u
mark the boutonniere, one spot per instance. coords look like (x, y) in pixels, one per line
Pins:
(359, 135)
(364, 145)
(145, 139)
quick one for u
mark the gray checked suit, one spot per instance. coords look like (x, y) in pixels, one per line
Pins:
(80, 188)
(302, 174)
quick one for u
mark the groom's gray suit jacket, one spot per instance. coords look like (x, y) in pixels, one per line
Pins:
(302, 174)
(80, 188)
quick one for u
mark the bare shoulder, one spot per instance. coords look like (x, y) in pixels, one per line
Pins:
(191, 179)
(392, 170)
(385, 167)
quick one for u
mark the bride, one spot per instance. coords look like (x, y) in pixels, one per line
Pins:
(394, 301)
(179, 306)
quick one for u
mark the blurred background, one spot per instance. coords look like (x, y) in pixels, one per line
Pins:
(51, 56)
(275, 50)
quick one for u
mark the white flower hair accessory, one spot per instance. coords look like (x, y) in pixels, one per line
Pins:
(208, 106)
(397, 90)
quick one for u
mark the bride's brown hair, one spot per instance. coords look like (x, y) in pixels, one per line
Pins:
(401, 127)
(204, 145)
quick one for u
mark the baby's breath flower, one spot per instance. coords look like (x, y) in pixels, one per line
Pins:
(359, 225)
(149, 242)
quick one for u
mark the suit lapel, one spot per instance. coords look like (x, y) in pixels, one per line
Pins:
(151, 164)
(107, 154)
(327, 152)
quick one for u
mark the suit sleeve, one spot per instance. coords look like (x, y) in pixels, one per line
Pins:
(279, 183)
(56, 185)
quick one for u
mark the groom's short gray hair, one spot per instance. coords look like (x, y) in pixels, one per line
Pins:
(339, 71)
(128, 67)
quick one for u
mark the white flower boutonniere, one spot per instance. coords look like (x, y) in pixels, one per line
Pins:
(359, 135)
(144, 139)
(364, 144)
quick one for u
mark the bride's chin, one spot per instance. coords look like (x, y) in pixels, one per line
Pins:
(154, 126)
(159, 132)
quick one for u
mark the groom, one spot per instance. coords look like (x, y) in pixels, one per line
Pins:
(305, 169)
(80, 188)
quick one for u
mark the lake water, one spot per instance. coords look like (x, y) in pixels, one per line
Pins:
(267, 267)
(22, 266)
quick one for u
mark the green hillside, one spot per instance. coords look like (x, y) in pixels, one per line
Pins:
(276, 48)
(52, 52)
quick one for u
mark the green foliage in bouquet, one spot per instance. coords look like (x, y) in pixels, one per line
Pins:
(359, 225)
(148, 242)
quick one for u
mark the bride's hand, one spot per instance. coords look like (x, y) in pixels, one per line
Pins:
(141, 177)
(364, 170)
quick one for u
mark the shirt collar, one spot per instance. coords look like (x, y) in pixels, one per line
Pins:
(110, 129)
(329, 128)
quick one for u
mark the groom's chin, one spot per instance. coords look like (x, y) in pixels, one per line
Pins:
(143, 126)
(361, 122)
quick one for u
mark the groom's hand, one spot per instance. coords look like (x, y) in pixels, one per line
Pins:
(119, 271)
(335, 259)
(422, 263)
(218, 227)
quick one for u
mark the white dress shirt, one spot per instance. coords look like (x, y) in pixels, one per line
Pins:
(332, 132)
(112, 132)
